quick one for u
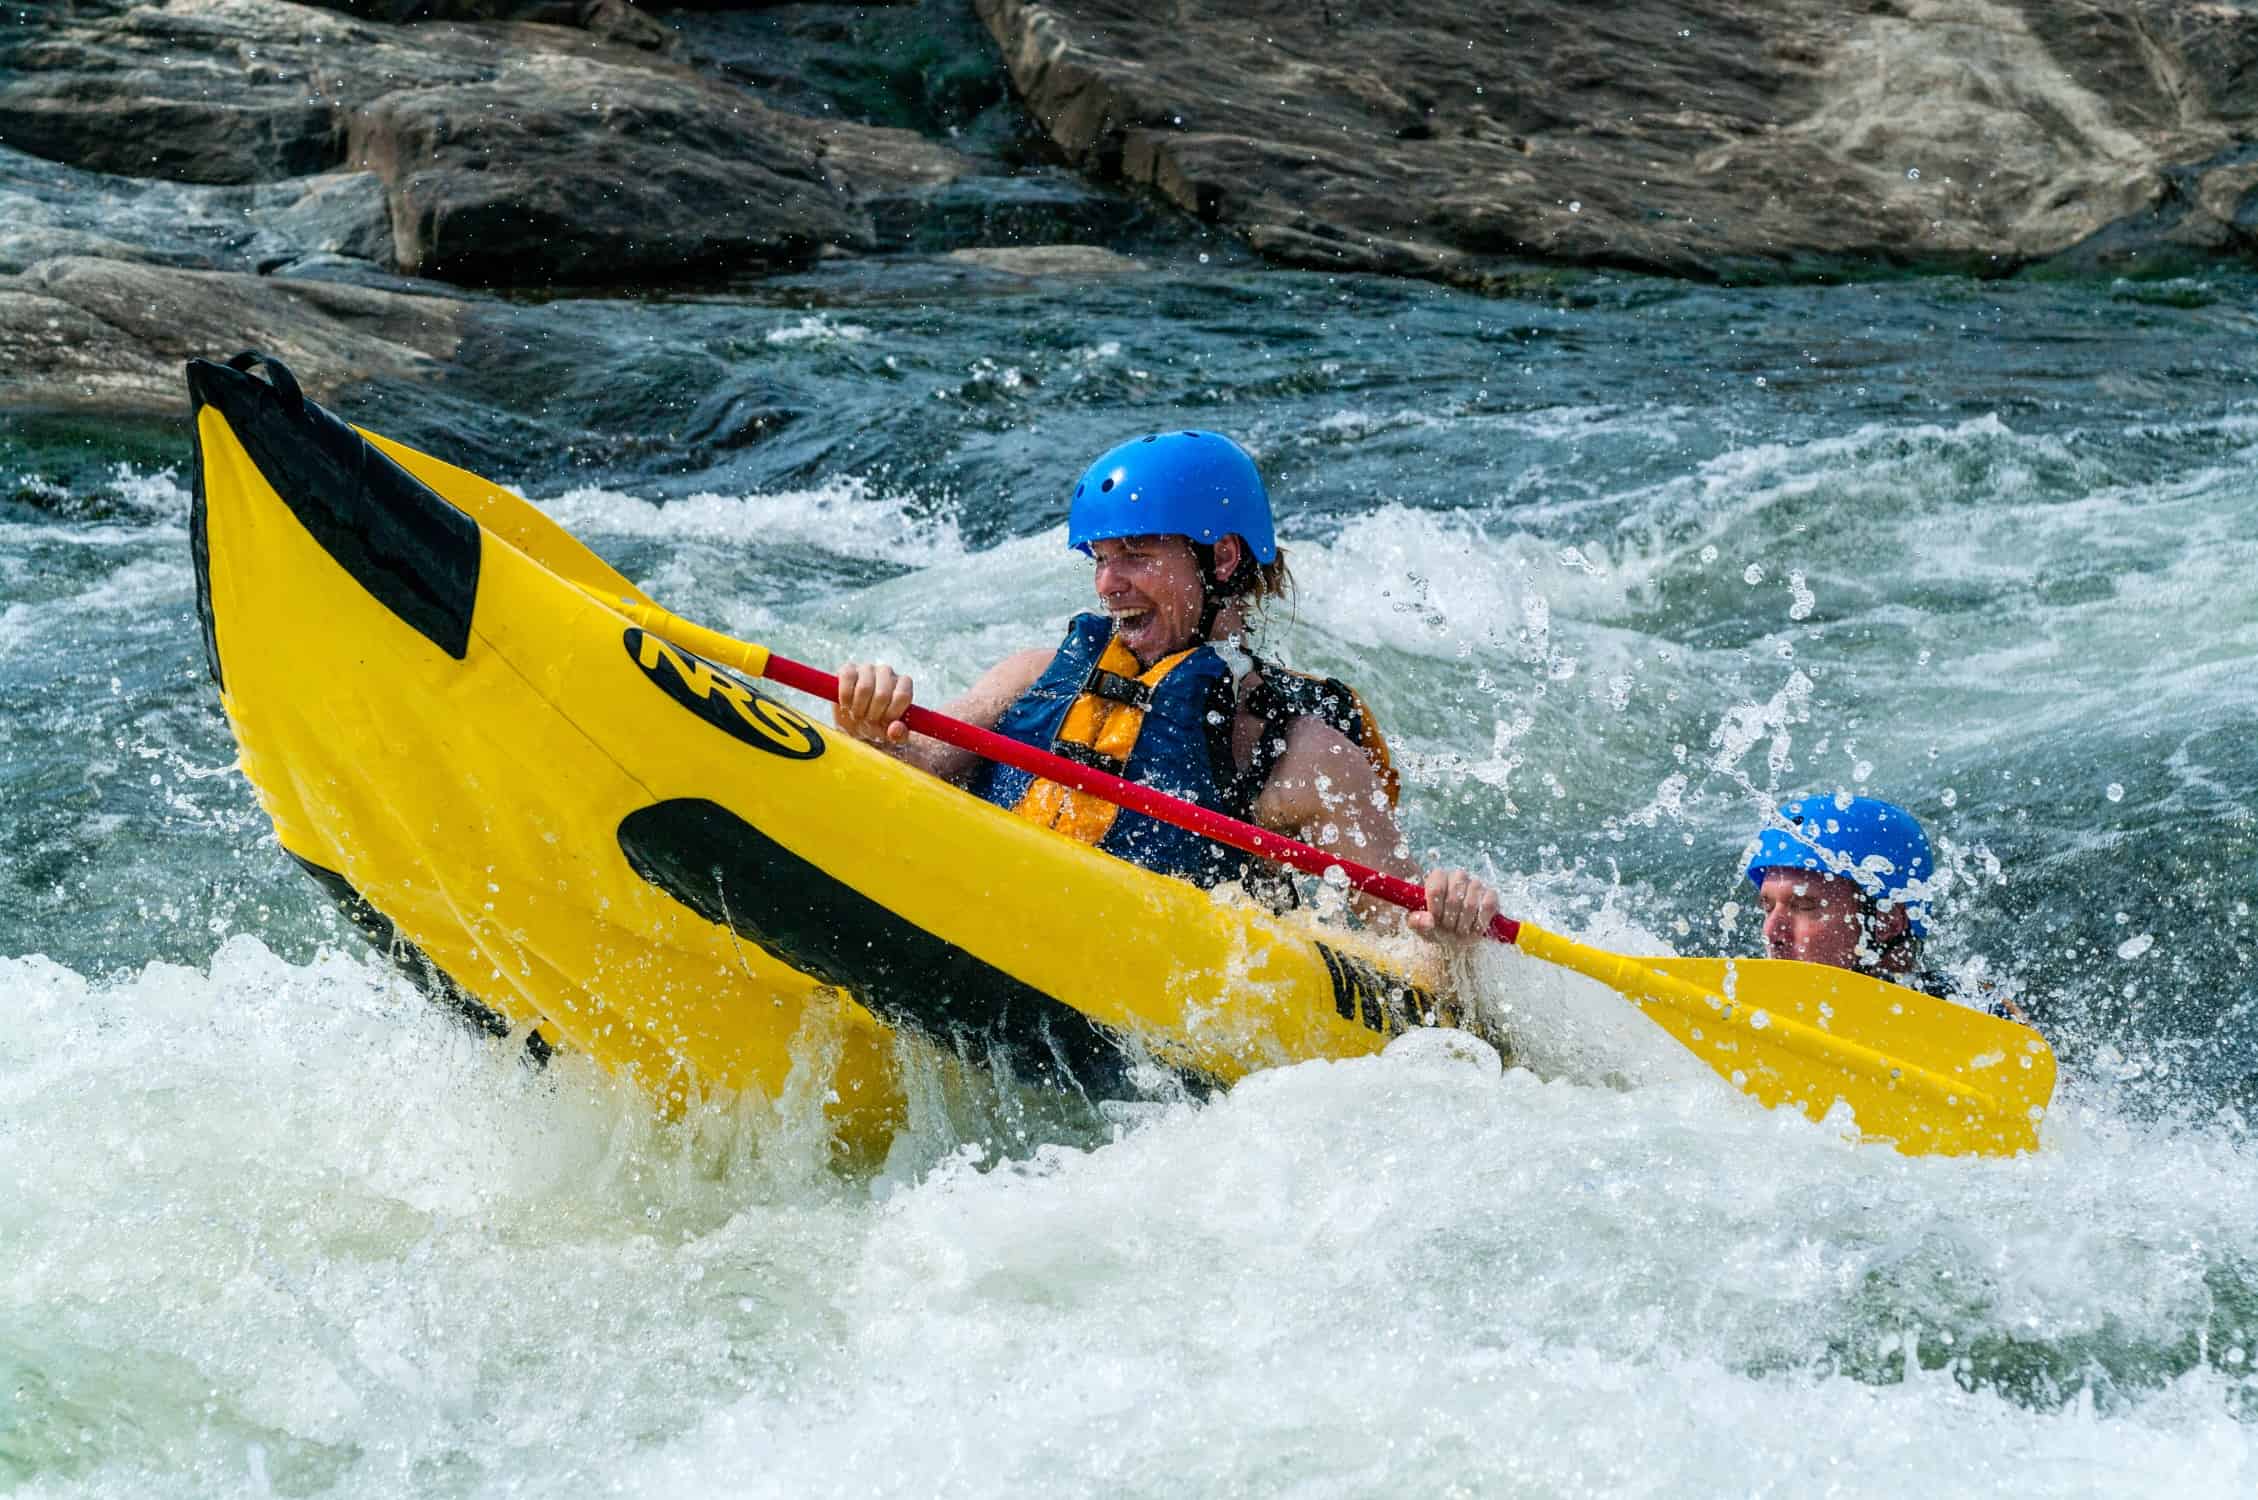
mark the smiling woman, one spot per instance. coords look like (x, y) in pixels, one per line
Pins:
(1161, 688)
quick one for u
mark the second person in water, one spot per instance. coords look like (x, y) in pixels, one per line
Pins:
(1159, 686)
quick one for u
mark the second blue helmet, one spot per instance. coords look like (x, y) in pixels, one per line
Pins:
(1199, 485)
(1875, 843)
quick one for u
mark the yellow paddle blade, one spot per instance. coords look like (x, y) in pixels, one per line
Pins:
(513, 519)
(1923, 1074)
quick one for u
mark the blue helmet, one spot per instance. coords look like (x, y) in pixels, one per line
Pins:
(1878, 844)
(1199, 485)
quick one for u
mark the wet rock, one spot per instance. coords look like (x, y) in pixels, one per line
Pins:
(578, 167)
(49, 210)
(510, 152)
(106, 334)
(617, 21)
(335, 214)
(216, 91)
(1047, 260)
(1698, 137)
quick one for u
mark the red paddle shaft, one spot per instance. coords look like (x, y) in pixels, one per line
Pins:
(1133, 795)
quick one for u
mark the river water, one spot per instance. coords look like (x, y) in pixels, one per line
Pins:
(1620, 563)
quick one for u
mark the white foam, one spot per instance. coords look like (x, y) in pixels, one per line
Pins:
(817, 329)
(1398, 1274)
(134, 587)
(24, 535)
(295, 1224)
(843, 517)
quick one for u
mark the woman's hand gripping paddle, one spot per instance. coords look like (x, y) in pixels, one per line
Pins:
(1925, 1075)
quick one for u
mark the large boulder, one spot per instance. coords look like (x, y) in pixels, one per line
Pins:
(112, 335)
(508, 152)
(583, 168)
(214, 91)
(1453, 138)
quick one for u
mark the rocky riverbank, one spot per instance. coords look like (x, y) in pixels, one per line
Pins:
(348, 183)
(177, 176)
(1748, 139)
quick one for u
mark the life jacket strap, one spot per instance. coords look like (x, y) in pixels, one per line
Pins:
(1115, 688)
(1091, 756)
(1282, 697)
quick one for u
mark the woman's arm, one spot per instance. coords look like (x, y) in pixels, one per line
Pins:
(1325, 792)
(873, 697)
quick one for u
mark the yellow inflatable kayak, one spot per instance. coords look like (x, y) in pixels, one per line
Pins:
(570, 826)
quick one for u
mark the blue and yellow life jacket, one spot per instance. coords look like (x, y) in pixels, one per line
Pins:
(1167, 726)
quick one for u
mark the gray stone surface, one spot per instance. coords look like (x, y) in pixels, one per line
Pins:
(218, 91)
(182, 175)
(48, 210)
(510, 152)
(595, 166)
(1698, 137)
(113, 335)
(1047, 260)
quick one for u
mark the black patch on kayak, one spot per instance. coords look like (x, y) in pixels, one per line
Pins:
(722, 700)
(734, 875)
(413, 552)
(411, 960)
(199, 540)
(1374, 998)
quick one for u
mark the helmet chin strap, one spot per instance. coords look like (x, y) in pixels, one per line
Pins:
(1211, 605)
(1215, 593)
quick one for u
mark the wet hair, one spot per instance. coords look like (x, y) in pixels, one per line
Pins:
(1253, 584)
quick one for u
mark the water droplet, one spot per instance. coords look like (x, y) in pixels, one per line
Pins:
(1950, 797)
(1912, 174)
(2134, 947)
(2116, 792)
(1753, 573)
(1576, 206)
(1709, 554)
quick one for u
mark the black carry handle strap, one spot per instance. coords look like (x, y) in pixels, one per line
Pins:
(278, 375)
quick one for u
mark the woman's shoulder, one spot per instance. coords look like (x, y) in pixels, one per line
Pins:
(1022, 667)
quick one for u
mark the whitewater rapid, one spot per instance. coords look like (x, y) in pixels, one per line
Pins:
(1618, 570)
(281, 1227)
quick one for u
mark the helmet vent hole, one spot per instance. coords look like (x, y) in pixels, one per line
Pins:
(1153, 437)
(1107, 485)
(1078, 489)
